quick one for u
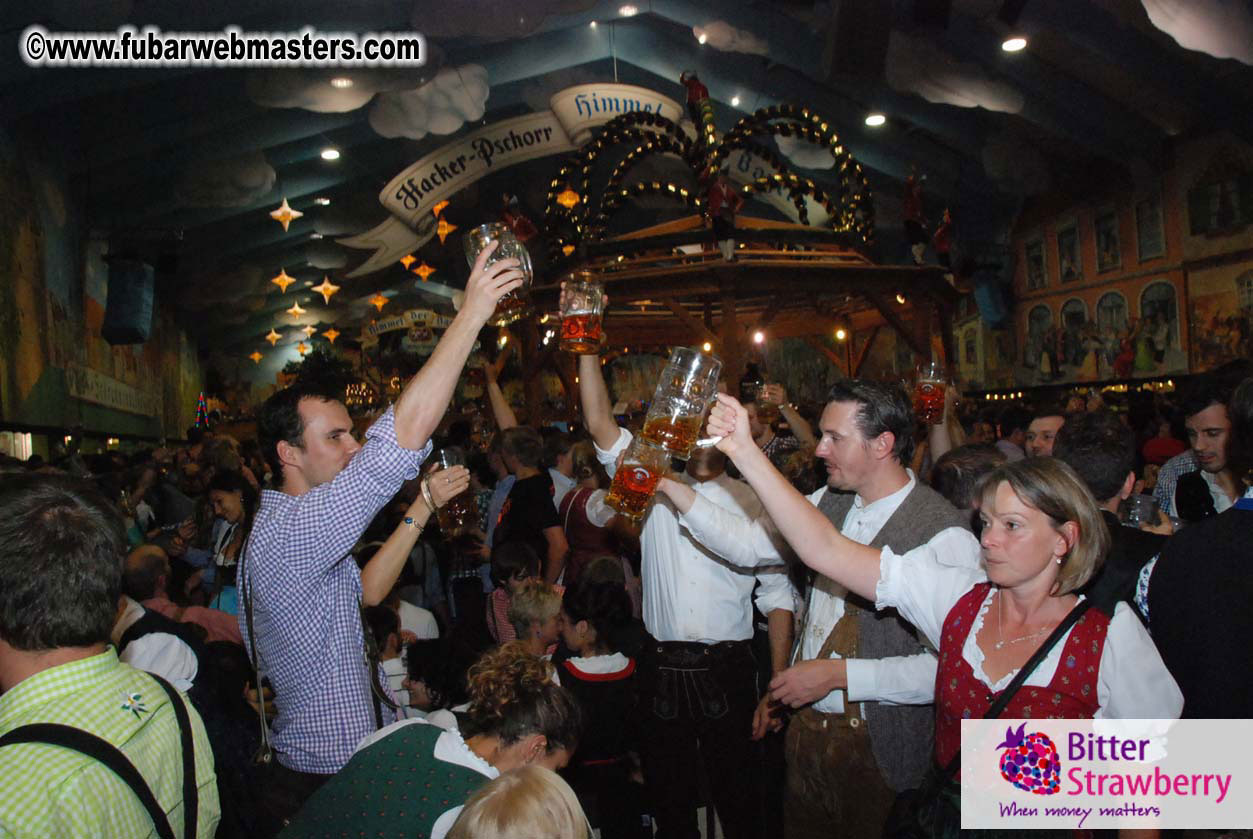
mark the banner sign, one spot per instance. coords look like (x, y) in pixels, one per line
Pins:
(1105, 774)
(409, 196)
(95, 387)
(413, 317)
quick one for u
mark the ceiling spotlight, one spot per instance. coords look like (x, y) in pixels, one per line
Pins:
(1014, 44)
(759, 337)
(315, 235)
(735, 101)
(628, 10)
(702, 38)
(706, 346)
(840, 334)
(875, 120)
(592, 24)
(341, 82)
(330, 154)
(900, 298)
(322, 201)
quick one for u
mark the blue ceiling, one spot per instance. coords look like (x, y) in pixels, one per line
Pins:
(1098, 90)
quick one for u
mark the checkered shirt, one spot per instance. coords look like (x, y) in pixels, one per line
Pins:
(52, 791)
(306, 591)
(1168, 478)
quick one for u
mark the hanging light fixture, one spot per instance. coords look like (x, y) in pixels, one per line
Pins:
(568, 198)
(256, 357)
(327, 289)
(282, 281)
(378, 301)
(296, 310)
(424, 271)
(302, 348)
(439, 208)
(273, 337)
(285, 215)
(443, 229)
(407, 260)
(331, 334)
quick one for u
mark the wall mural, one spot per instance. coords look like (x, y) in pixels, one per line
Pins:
(1113, 339)
(1221, 315)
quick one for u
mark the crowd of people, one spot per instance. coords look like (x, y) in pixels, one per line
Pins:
(278, 638)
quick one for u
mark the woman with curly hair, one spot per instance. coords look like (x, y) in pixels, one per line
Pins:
(411, 778)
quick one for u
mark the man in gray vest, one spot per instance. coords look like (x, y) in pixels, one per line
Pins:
(858, 676)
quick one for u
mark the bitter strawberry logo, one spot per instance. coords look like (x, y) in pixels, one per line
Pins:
(1030, 761)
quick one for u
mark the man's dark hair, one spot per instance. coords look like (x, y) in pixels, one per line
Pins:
(61, 554)
(382, 621)
(958, 470)
(523, 443)
(555, 445)
(1101, 450)
(883, 406)
(195, 435)
(1013, 419)
(1240, 449)
(1047, 410)
(279, 419)
(143, 568)
(510, 559)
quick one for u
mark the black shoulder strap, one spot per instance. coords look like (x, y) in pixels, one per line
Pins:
(103, 751)
(1024, 673)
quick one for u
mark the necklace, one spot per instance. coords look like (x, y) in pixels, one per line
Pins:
(1001, 642)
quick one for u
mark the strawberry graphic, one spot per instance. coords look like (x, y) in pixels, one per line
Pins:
(1030, 762)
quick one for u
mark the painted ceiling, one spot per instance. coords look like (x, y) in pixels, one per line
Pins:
(185, 165)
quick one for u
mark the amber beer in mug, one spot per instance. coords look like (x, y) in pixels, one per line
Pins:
(582, 306)
(460, 515)
(516, 303)
(685, 391)
(635, 482)
(929, 393)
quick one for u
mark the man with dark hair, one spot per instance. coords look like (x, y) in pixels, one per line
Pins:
(1102, 451)
(298, 582)
(1196, 595)
(1013, 423)
(560, 463)
(528, 514)
(1043, 431)
(1210, 488)
(958, 470)
(697, 671)
(61, 549)
(858, 676)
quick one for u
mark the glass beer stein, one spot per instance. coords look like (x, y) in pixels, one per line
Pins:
(929, 393)
(582, 307)
(635, 482)
(516, 303)
(687, 388)
(460, 515)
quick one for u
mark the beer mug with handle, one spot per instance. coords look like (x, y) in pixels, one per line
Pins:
(688, 386)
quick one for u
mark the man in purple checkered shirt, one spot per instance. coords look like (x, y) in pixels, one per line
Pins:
(304, 586)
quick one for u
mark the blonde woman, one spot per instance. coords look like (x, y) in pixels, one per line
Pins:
(527, 802)
(1042, 540)
(534, 612)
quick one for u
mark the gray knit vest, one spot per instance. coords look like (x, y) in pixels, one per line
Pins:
(900, 735)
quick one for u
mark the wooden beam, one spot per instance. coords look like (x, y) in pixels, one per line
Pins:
(698, 329)
(771, 311)
(732, 339)
(816, 342)
(902, 328)
(865, 351)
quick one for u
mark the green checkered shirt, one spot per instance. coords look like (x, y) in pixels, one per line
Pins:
(48, 791)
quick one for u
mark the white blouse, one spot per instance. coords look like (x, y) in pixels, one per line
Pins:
(1132, 681)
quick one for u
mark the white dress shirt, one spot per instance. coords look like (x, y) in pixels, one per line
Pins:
(1132, 682)
(690, 593)
(561, 486)
(900, 680)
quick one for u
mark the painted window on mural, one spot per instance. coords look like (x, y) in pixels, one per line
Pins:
(1150, 232)
(1244, 291)
(971, 354)
(1221, 206)
(1111, 314)
(1037, 271)
(1038, 350)
(1108, 254)
(1069, 266)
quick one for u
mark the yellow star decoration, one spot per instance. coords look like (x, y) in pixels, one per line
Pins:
(309, 330)
(282, 280)
(285, 215)
(273, 337)
(379, 301)
(326, 289)
(256, 357)
(439, 208)
(443, 229)
(302, 348)
(424, 271)
(568, 198)
(331, 334)
(566, 250)
(295, 310)
(407, 260)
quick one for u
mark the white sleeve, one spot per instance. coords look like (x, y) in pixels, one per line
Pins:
(428, 628)
(1133, 682)
(776, 590)
(745, 542)
(598, 512)
(922, 588)
(609, 457)
(445, 822)
(900, 680)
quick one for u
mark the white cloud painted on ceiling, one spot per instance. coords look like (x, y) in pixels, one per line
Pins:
(489, 19)
(723, 36)
(311, 89)
(805, 154)
(226, 182)
(441, 106)
(1221, 28)
(916, 65)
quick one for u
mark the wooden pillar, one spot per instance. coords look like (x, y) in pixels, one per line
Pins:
(529, 357)
(731, 338)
